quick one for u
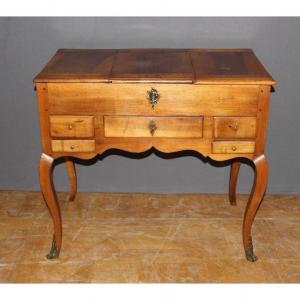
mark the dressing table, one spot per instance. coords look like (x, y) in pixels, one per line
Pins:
(211, 101)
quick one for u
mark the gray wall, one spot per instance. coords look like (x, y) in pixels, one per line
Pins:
(26, 44)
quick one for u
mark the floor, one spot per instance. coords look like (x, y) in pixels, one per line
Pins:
(118, 238)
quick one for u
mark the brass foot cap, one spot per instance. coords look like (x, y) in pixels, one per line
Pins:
(251, 257)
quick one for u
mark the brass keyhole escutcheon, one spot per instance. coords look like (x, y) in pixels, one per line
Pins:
(152, 127)
(153, 97)
(233, 148)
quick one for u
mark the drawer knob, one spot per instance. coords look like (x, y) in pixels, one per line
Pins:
(72, 147)
(152, 127)
(233, 148)
(70, 126)
(153, 97)
(234, 127)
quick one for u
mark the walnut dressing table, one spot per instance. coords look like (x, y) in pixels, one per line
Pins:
(211, 101)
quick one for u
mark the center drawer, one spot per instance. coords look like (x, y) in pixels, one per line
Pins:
(133, 126)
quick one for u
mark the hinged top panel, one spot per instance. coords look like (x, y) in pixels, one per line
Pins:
(198, 66)
(223, 66)
(78, 65)
(153, 65)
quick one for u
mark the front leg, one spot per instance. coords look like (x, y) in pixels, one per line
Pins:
(72, 178)
(257, 194)
(46, 183)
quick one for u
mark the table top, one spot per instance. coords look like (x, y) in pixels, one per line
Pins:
(194, 66)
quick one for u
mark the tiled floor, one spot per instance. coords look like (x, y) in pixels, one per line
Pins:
(148, 238)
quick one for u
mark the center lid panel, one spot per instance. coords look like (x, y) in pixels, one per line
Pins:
(152, 65)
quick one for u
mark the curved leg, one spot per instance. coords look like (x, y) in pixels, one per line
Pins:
(45, 170)
(72, 178)
(234, 172)
(258, 190)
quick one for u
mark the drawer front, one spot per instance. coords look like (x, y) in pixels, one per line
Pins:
(222, 147)
(73, 145)
(176, 127)
(71, 126)
(154, 99)
(234, 127)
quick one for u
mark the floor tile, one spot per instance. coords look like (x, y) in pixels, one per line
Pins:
(148, 238)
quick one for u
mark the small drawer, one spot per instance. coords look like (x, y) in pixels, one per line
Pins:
(233, 147)
(72, 126)
(234, 127)
(73, 145)
(169, 127)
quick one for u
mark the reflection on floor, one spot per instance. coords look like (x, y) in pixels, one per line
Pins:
(148, 238)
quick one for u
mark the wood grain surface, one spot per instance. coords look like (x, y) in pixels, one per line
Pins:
(200, 66)
(71, 126)
(182, 127)
(234, 127)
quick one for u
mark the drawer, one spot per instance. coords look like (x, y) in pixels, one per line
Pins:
(71, 126)
(167, 99)
(176, 127)
(73, 145)
(233, 147)
(234, 127)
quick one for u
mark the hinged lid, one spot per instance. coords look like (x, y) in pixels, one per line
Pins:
(78, 65)
(198, 66)
(224, 66)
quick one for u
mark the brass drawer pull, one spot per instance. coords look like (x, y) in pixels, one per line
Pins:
(72, 147)
(70, 126)
(233, 148)
(152, 127)
(153, 97)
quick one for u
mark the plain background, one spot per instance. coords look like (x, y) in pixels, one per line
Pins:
(26, 44)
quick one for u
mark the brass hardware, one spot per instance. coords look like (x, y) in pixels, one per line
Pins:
(70, 126)
(153, 97)
(152, 127)
(249, 251)
(233, 148)
(54, 250)
(234, 127)
(72, 147)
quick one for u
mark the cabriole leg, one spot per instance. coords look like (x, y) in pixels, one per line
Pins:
(72, 178)
(234, 172)
(46, 183)
(258, 190)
